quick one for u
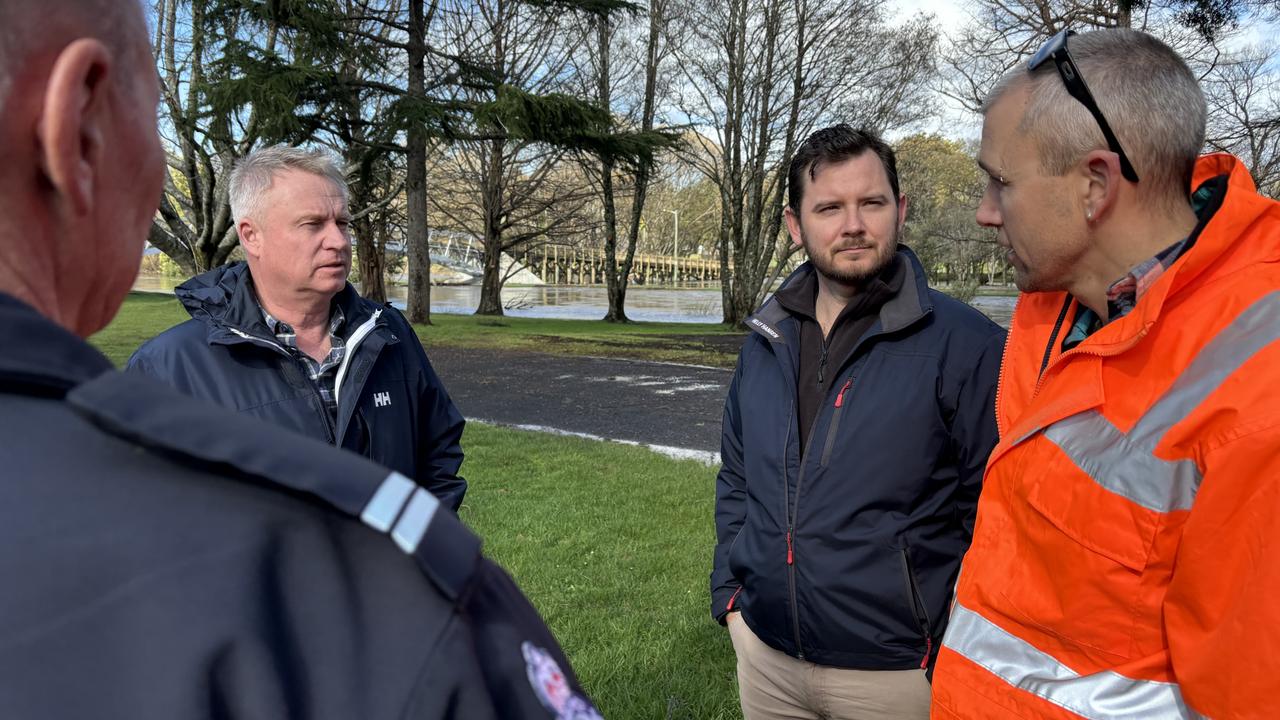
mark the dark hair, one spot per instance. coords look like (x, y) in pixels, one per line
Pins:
(832, 145)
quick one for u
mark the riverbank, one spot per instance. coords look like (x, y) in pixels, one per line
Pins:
(145, 314)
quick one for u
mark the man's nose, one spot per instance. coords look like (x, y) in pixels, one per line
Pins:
(988, 214)
(853, 222)
(336, 236)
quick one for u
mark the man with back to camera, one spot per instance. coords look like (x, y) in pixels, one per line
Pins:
(856, 429)
(286, 338)
(166, 559)
(1124, 563)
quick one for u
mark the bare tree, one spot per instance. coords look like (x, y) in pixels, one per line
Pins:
(1004, 33)
(1244, 114)
(760, 76)
(194, 226)
(515, 192)
(621, 73)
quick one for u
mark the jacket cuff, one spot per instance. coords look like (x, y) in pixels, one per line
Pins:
(723, 601)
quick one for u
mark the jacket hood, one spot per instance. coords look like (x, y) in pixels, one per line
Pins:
(909, 305)
(223, 298)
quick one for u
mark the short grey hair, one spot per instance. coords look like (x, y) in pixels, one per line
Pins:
(106, 20)
(1149, 96)
(252, 175)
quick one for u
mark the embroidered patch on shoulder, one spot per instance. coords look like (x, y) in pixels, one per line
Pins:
(552, 687)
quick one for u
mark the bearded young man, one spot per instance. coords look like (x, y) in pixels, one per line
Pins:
(856, 430)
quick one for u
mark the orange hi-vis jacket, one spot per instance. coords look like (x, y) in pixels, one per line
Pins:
(1126, 557)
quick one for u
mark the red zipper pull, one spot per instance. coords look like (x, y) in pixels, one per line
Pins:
(928, 650)
(840, 397)
(791, 558)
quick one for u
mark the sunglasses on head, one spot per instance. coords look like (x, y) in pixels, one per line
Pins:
(1056, 49)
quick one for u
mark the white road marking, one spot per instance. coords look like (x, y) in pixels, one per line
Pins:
(709, 459)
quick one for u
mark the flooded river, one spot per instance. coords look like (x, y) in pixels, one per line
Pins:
(686, 304)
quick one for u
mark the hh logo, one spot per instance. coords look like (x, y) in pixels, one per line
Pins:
(381, 399)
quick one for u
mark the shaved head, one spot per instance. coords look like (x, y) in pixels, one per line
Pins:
(83, 164)
(30, 29)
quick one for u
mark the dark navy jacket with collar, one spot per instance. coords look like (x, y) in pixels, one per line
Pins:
(164, 558)
(392, 408)
(845, 553)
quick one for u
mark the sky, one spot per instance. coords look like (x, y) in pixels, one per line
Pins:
(959, 123)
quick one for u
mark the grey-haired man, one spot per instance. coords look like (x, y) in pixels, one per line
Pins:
(286, 338)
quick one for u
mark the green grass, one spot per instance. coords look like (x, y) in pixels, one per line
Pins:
(145, 314)
(612, 543)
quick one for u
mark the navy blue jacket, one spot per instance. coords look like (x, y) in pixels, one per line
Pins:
(163, 558)
(392, 408)
(845, 553)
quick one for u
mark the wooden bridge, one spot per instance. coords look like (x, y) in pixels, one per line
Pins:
(568, 265)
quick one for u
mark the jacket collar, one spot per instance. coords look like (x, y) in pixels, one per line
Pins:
(41, 355)
(223, 298)
(908, 306)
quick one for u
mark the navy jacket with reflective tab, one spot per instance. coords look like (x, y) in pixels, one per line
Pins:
(164, 558)
(392, 408)
(845, 552)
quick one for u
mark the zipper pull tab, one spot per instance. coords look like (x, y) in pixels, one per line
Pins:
(791, 558)
(840, 397)
(928, 650)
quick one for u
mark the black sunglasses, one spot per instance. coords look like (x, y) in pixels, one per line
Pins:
(1056, 48)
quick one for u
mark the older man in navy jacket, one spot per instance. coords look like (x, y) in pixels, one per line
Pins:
(856, 431)
(287, 339)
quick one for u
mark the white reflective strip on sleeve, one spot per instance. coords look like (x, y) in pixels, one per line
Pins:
(1100, 696)
(386, 502)
(1126, 464)
(414, 521)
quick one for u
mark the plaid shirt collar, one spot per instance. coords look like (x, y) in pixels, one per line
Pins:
(285, 333)
(1123, 294)
(323, 373)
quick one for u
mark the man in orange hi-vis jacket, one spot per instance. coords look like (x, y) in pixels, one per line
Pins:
(1126, 557)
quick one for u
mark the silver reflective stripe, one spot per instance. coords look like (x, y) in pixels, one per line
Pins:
(386, 502)
(413, 524)
(1101, 696)
(1126, 464)
(1116, 463)
(1252, 330)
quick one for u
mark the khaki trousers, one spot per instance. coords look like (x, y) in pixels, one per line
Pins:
(775, 686)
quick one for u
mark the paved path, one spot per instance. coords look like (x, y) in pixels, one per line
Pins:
(674, 407)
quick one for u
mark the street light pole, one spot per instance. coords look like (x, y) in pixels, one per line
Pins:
(675, 250)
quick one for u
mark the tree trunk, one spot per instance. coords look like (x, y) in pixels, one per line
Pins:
(615, 278)
(492, 280)
(417, 234)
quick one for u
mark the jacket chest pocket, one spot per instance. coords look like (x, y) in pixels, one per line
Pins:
(1081, 550)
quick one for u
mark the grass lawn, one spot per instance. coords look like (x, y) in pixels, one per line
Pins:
(145, 314)
(612, 543)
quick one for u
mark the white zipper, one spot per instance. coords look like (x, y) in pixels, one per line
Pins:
(356, 338)
(257, 340)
